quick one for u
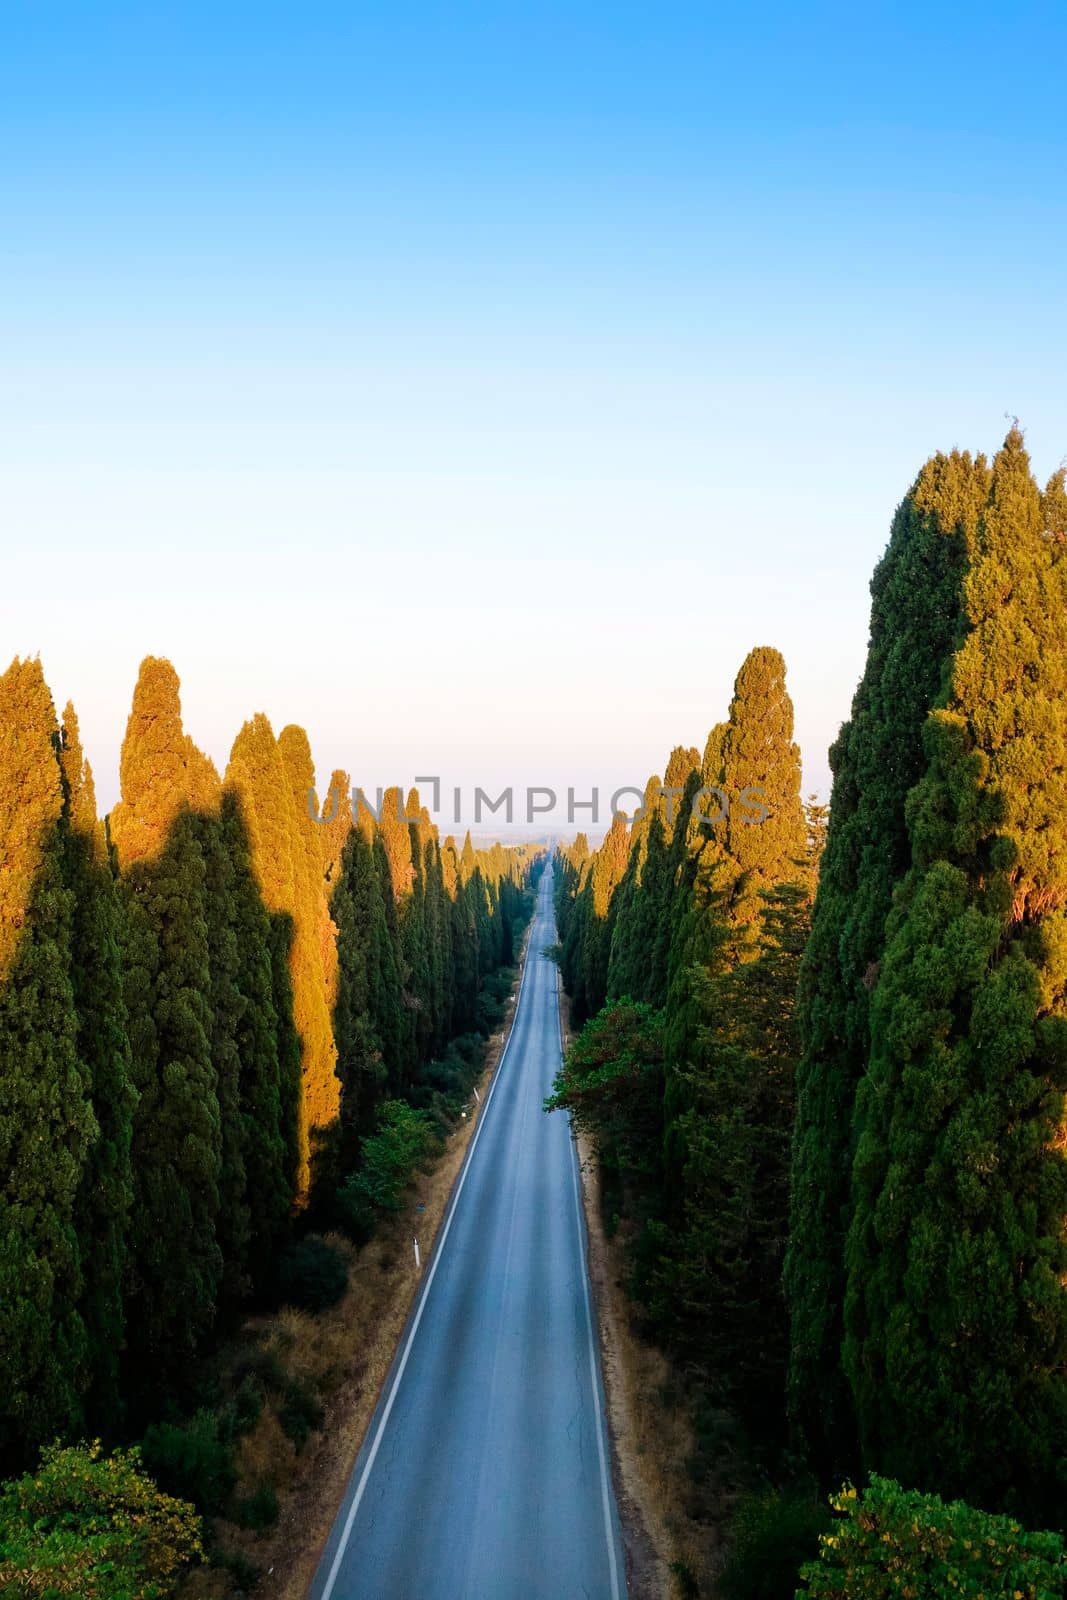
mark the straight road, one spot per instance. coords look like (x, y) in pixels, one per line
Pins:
(485, 1473)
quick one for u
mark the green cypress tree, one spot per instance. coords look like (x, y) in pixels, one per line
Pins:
(956, 1315)
(265, 1086)
(718, 1291)
(360, 916)
(877, 758)
(175, 1262)
(314, 950)
(47, 1125)
(105, 1192)
(257, 779)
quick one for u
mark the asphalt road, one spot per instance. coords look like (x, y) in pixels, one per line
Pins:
(485, 1473)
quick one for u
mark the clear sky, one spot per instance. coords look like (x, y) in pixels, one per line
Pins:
(475, 384)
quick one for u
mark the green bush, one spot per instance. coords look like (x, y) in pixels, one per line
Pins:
(774, 1532)
(192, 1459)
(257, 1510)
(892, 1542)
(95, 1527)
(312, 1275)
(300, 1412)
(389, 1160)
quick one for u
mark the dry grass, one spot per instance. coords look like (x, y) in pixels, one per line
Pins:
(342, 1356)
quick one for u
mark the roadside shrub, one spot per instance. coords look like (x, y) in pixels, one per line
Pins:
(261, 1369)
(300, 1412)
(891, 1541)
(95, 1527)
(257, 1510)
(192, 1459)
(312, 1275)
(246, 1405)
(774, 1532)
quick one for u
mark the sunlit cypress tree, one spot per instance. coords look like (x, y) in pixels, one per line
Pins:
(314, 952)
(175, 1262)
(47, 1125)
(105, 1192)
(257, 779)
(956, 1314)
(877, 758)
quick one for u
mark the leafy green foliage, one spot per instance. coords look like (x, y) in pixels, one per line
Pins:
(93, 1527)
(193, 1459)
(772, 1534)
(389, 1159)
(890, 1542)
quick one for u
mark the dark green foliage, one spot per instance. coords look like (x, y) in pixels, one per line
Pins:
(193, 1460)
(267, 1059)
(362, 992)
(257, 1510)
(956, 1318)
(311, 1275)
(889, 1542)
(773, 1533)
(877, 758)
(175, 1267)
(717, 1291)
(47, 1126)
(300, 1412)
(106, 1188)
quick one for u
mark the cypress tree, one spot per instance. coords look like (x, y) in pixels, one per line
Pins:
(956, 1316)
(175, 1262)
(877, 758)
(718, 1292)
(361, 932)
(265, 1086)
(314, 950)
(105, 1192)
(258, 784)
(47, 1125)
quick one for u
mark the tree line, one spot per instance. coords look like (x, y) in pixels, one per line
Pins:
(826, 1085)
(206, 999)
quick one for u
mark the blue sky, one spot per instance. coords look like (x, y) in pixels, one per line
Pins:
(476, 384)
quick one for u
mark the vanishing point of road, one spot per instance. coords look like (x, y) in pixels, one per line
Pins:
(485, 1473)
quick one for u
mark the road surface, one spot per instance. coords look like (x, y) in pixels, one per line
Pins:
(485, 1473)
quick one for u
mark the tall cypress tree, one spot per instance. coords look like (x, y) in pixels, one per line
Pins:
(956, 1316)
(105, 1192)
(265, 1081)
(314, 952)
(47, 1125)
(361, 931)
(257, 779)
(175, 1262)
(876, 760)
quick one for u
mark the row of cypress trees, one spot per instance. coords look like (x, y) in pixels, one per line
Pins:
(927, 1258)
(838, 1123)
(681, 937)
(203, 999)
